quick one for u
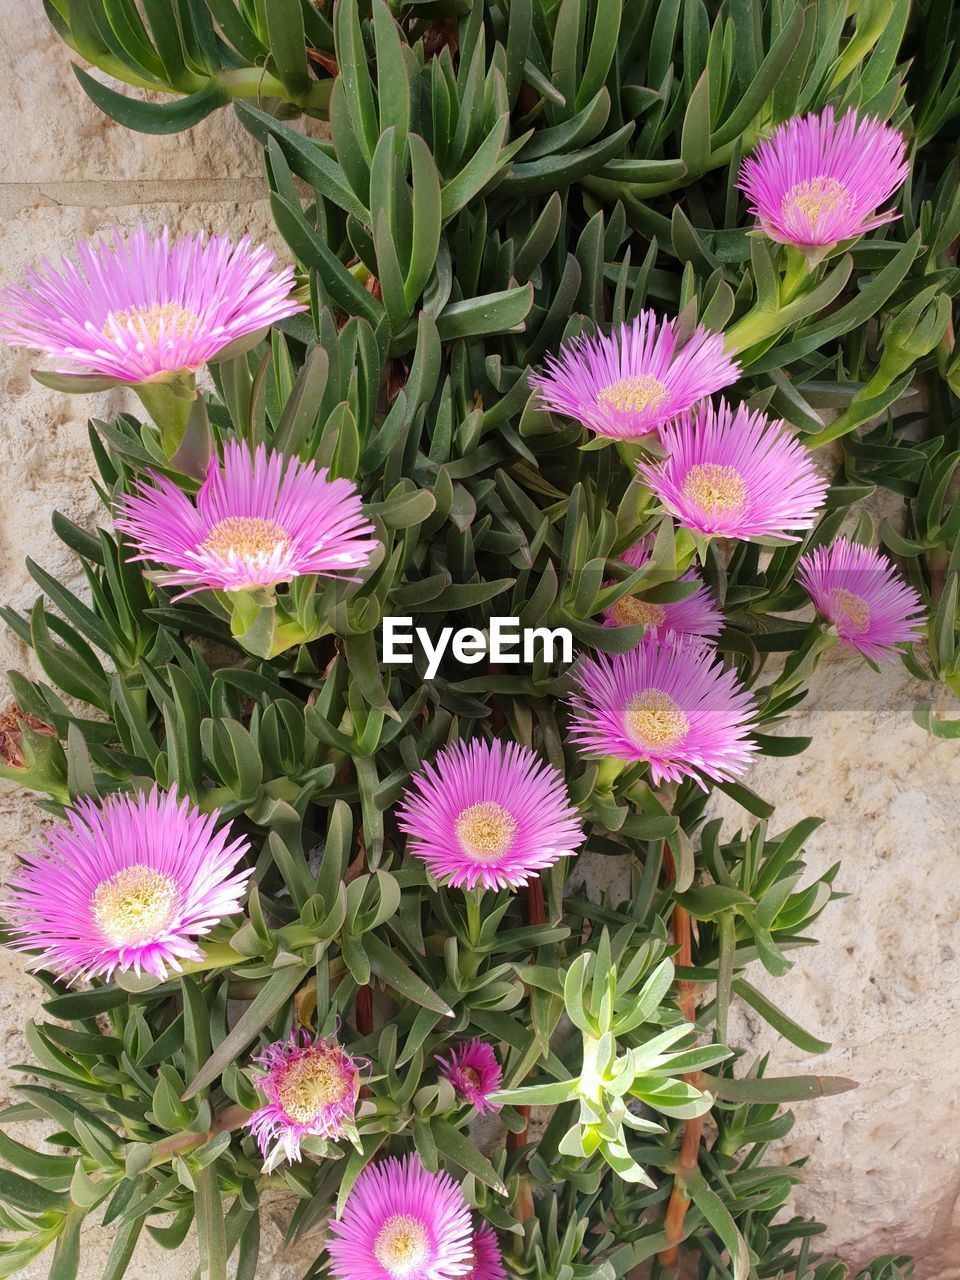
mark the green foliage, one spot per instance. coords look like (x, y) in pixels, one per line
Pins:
(494, 179)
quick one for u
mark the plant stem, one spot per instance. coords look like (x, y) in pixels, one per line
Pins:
(229, 1118)
(692, 1129)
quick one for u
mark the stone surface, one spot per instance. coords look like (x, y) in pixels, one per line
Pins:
(883, 1169)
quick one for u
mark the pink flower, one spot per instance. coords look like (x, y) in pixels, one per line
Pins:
(695, 615)
(142, 309)
(815, 182)
(402, 1223)
(312, 1086)
(858, 590)
(736, 474)
(260, 520)
(487, 1258)
(672, 705)
(127, 885)
(474, 1071)
(489, 814)
(630, 384)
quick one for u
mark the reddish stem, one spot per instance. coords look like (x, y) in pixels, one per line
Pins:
(692, 1129)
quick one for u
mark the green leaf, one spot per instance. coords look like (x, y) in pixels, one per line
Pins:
(463, 1151)
(718, 1216)
(288, 45)
(502, 312)
(777, 1019)
(272, 997)
(153, 117)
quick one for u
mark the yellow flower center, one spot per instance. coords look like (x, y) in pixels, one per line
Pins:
(850, 608)
(311, 1084)
(817, 196)
(715, 488)
(631, 612)
(472, 1077)
(653, 719)
(633, 395)
(402, 1245)
(169, 318)
(485, 830)
(245, 538)
(134, 905)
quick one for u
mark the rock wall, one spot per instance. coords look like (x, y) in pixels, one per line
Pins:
(884, 1171)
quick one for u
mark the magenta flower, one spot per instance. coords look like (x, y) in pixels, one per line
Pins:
(260, 520)
(859, 591)
(672, 705)
(402, 1223)
(816, 181)
(126, 885)
(141, 309)
(487, 1258)
(489, 814)
(736, 474)
(474, 1071)
(312, 1087)
(630, 384)
(696, 615)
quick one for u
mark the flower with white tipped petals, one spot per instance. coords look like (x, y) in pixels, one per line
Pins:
(140, 309)
(873, 610)
(629, 384)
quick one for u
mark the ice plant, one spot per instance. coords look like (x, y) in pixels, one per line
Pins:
(695, 615)
(127, 884)
(312, 1087)
(736, 474)
(629, 384)
(487, 1258)
(473, 1070)
(672, 705)
(489, 814)
(402, 1223)
(141, 310)
(258, 520)
(817, 181)
(873, 610)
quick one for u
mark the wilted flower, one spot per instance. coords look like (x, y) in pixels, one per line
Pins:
(816, 181)
(672, 705)
(12, 722)
(489, 814)
(631, 383)
(736, 474)
(127, 885)
(859, 591)
(473, 1070)
(402, 1223)
(141, 309)
(695, 615)
(259, 520)
(487, 1258)
(312, 1086)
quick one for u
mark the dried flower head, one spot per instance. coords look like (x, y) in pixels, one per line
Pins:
(312, 1087)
